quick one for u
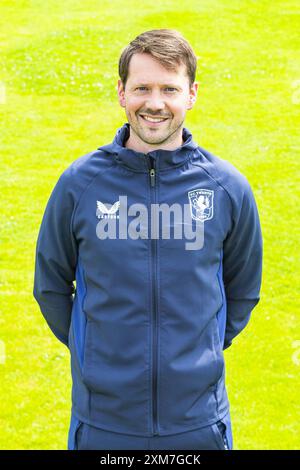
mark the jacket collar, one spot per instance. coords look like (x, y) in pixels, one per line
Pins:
(139, 161)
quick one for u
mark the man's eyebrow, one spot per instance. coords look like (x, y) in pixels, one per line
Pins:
(163, 85)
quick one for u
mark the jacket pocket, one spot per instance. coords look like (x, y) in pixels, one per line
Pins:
(79, 320)
(77, 337)
(78, 436)
(222, 432)
(222, 313)
(75, 432)
(218, 347)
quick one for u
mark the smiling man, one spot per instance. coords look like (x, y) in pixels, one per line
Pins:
(151, 315)
(156, 101)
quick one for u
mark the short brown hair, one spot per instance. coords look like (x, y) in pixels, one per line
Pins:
(168, 46)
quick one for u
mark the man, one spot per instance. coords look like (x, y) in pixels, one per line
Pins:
(156, 301)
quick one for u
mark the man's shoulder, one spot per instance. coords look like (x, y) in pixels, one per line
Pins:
(83, 169)
(89, 164)
(222, 171)
(77, 176)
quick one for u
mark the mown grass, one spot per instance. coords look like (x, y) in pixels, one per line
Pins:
(59, 68)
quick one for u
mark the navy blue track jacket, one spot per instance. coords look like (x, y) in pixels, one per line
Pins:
(149, 319)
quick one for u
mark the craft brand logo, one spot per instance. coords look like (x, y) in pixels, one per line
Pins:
(104, 213)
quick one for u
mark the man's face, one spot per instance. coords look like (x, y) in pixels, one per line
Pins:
(152, 91)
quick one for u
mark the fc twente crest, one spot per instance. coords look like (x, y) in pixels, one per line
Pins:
(201, 204)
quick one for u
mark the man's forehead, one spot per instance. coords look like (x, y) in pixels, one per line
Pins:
(155, 82)
(146, 78)
(141, 71)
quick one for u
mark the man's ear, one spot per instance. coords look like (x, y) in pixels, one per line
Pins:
(193, 95)
(121, 93)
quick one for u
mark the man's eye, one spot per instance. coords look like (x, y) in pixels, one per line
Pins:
(143, 88)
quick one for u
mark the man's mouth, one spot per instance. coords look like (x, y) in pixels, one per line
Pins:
(152, 120)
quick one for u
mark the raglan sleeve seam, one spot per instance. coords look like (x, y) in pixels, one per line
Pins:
(220, 185)
(84, 189)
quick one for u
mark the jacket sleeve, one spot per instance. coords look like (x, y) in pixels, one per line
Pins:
(242, 263)
(55, 260)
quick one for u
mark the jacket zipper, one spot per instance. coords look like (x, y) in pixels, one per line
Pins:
(152, 175)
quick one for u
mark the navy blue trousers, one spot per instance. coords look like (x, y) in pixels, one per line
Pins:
(217, 436)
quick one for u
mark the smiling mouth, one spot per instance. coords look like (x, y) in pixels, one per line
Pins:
(153, 121)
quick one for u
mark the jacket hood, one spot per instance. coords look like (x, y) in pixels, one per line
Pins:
(139, 161)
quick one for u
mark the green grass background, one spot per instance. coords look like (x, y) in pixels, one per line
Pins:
(59, 69)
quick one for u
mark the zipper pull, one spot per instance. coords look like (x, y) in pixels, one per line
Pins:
(152, 176)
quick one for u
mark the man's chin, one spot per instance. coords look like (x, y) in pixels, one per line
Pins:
(153, 138)
(152, 132)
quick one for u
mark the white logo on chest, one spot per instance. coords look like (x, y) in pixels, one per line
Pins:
(201, 204)
(103, 212)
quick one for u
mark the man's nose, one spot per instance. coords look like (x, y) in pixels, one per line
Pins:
(155, 101)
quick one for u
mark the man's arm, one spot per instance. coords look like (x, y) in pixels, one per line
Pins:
(55, 261)
(242, 263)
